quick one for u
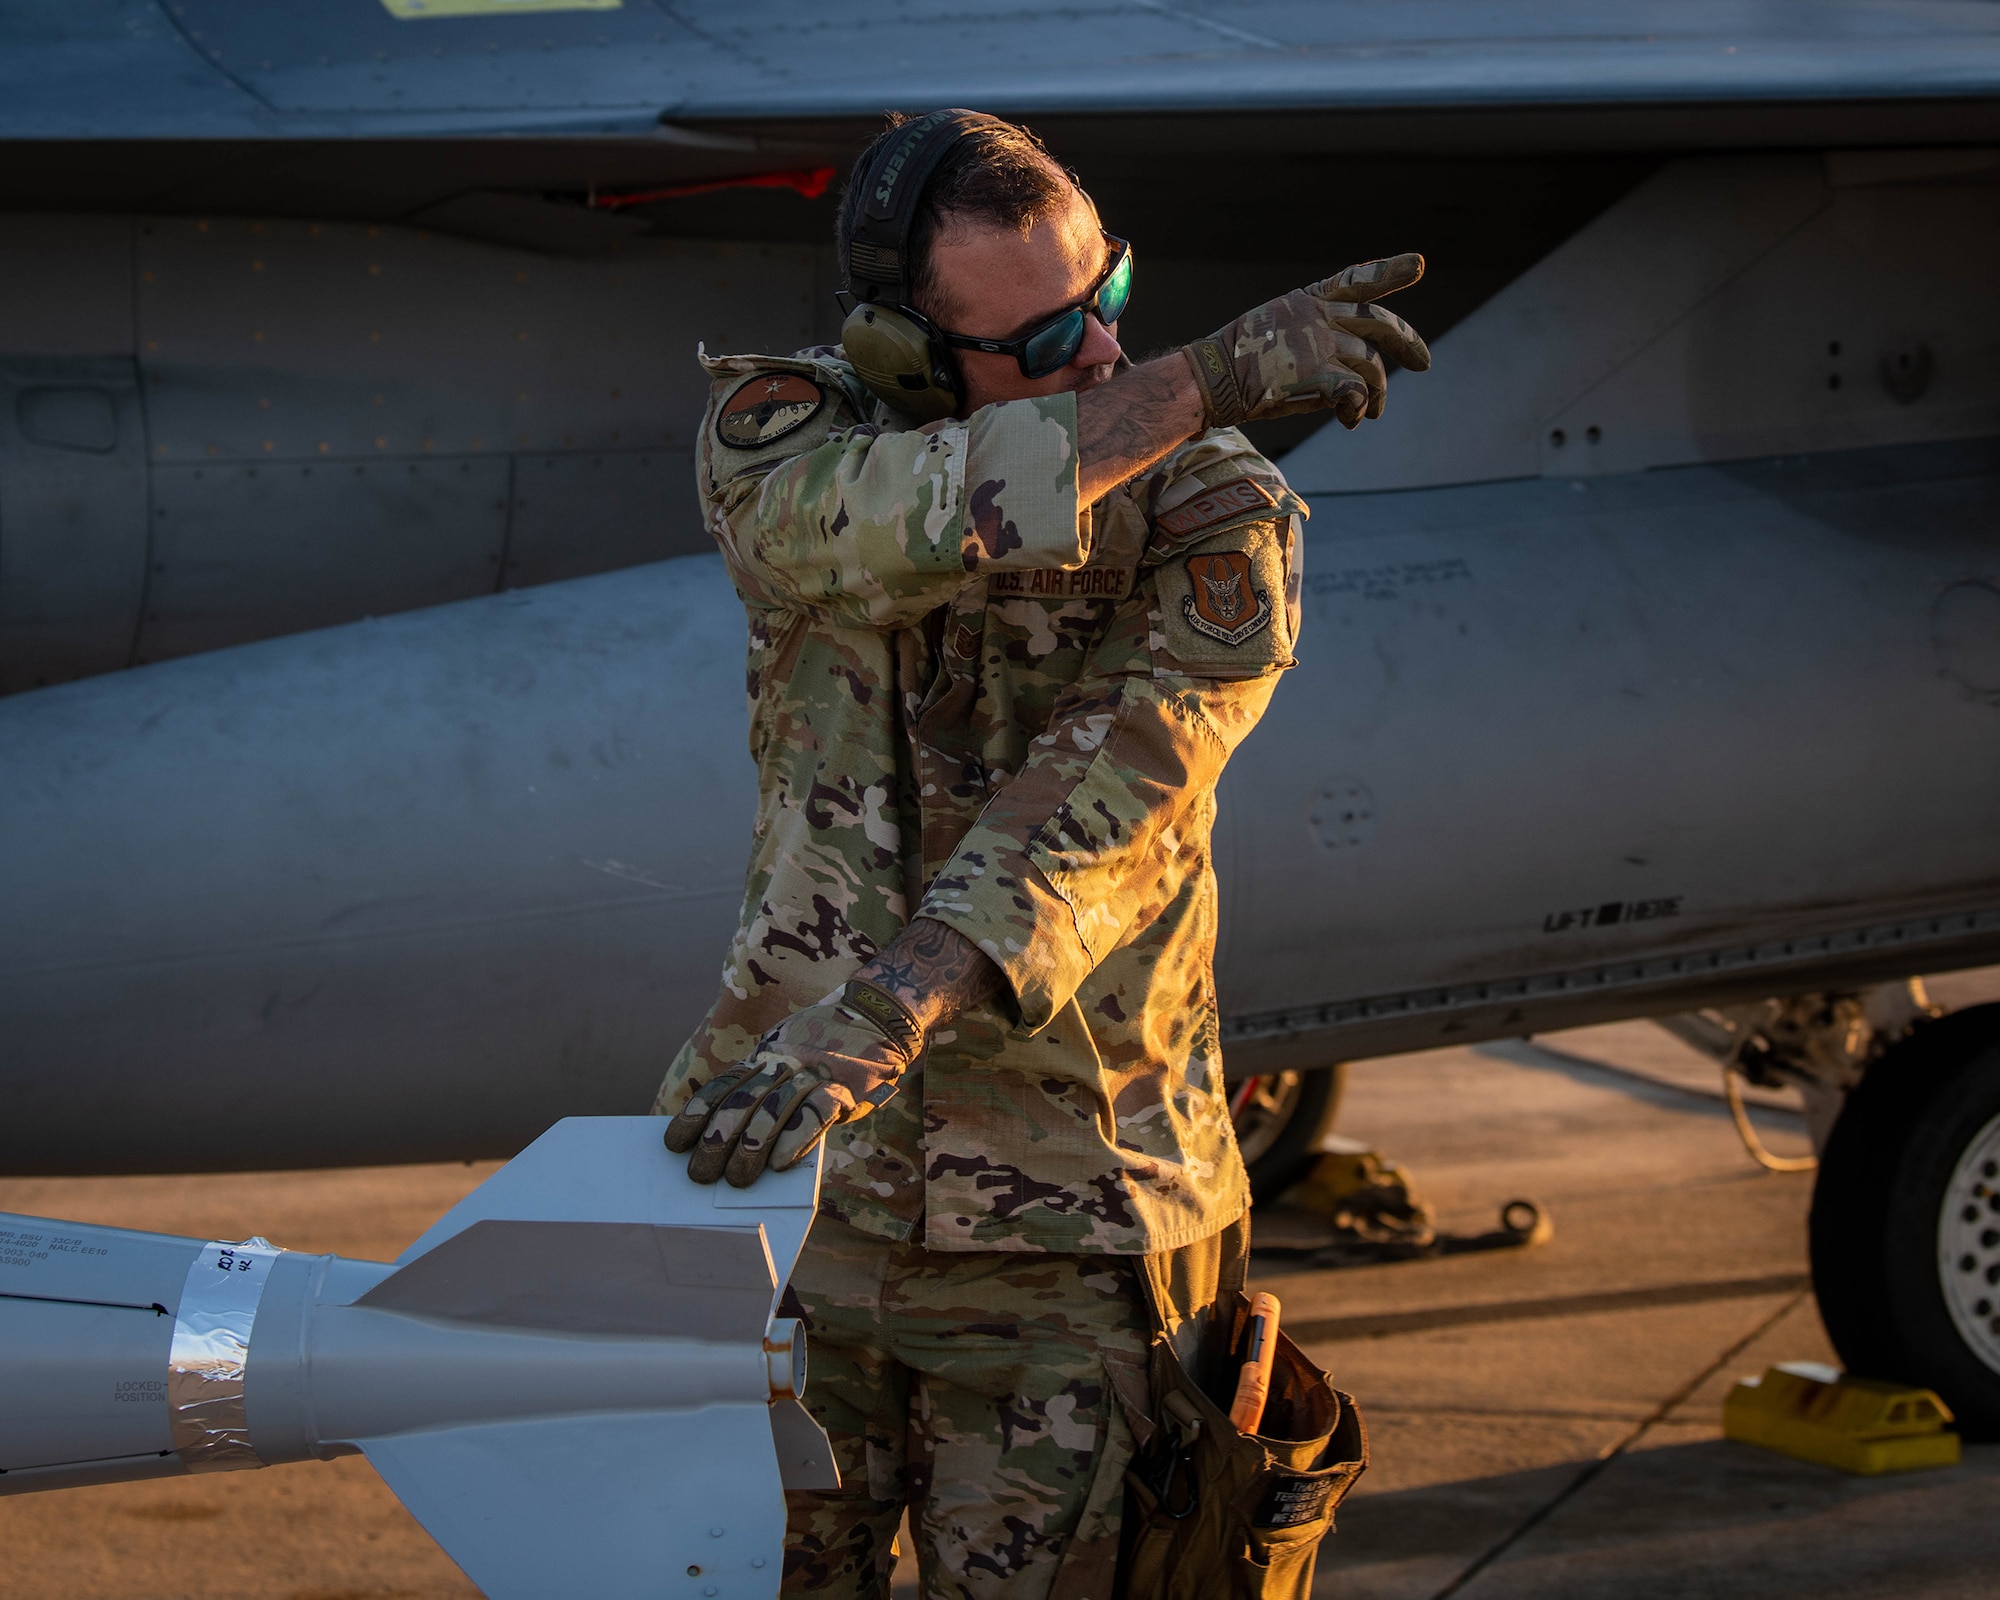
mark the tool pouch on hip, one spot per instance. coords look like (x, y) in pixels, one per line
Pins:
(1212, 1511)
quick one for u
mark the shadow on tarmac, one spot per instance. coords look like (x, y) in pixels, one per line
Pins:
(1712, 1519)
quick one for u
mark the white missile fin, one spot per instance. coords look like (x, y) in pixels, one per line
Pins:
(587, 1230)
(805, 1454)
(618, 1506)
(591, 1277)
(614, 1169)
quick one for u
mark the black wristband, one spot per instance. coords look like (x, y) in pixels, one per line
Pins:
(1215, 375)
(881, 1009)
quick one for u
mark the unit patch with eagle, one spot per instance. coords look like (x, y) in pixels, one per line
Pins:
(1224, 607)
(1223, 601)
(766, 408)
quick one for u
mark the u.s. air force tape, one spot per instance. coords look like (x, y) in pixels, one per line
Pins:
(211, 1346)
(1053, 583)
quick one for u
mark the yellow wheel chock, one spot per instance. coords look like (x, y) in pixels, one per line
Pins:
(1860, 1425)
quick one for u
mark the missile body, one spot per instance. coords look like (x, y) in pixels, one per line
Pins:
(575, 1380)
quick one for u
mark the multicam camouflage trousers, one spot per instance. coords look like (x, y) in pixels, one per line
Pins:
(973, 1388)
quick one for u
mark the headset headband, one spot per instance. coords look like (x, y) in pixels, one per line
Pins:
(879, 243)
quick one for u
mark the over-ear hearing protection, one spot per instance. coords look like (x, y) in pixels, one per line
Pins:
(893, 348)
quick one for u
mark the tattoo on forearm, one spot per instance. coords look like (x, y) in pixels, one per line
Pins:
(934, 970)
(1129, 423)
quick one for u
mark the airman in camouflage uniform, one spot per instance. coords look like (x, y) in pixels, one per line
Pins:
(973, 698)
(978, 700)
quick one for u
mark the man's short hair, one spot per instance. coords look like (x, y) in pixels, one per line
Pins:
(1001, 175)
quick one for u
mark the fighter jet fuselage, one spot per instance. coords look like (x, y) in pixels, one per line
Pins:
(375, 769)
(372, 768)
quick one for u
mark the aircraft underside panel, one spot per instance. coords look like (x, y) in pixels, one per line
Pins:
(1728, 308)
(409, 889)
(1571, 735)
(216, 430)
(73, 516)
(129, 68)
(380, 892)
(1711, 669)
(1559, 750)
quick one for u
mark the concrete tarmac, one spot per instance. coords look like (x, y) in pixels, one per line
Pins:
(1544, 1422)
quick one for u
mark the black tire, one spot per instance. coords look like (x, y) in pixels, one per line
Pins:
(1879, 1224)
(1280, 1150)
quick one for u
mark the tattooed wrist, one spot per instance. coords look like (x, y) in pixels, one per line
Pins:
(1126, 425)
(934, 972)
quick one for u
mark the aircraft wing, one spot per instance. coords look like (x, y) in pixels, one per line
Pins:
(135, 69)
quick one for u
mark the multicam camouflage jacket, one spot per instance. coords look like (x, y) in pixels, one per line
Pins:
(973, 699)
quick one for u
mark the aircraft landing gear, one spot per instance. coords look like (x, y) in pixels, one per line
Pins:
(1906, 1218)
(1818, 1044)
(1279, 1118)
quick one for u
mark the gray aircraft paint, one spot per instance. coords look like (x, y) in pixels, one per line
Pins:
(208, 68)
(1629, 664)
(1619, 746)
(1694, 702)
(1726, 309)
(427, 882)
(300, 424)
(425, 877)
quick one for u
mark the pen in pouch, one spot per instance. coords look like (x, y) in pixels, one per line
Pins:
(1260, 1344)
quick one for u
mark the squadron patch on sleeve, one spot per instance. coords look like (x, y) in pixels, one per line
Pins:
(1225, 500)
(1221, 610)
(1222, 600)
(766, 408)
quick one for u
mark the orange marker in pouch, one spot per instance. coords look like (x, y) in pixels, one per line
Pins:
(1260, 1345)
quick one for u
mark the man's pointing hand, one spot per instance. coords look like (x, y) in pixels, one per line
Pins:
(1316, 348)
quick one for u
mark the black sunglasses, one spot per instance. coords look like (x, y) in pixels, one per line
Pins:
(1051, 345)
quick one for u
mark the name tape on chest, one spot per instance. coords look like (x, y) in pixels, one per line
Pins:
(1217, 505)
(1052, 583)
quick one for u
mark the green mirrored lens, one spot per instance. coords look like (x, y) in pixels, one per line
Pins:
(1116, 291)
(1050, 349)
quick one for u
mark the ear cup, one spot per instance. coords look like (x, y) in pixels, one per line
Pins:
(901, 360)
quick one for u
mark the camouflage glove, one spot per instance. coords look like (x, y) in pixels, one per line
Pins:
(1314, 348)
(771, 1110)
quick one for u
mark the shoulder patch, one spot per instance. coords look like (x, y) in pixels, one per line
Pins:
(1223, 600)
(1225, 500)
(764, 409)
(1221, 610)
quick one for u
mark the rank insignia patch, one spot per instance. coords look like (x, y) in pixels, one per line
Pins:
(767, 408)
(1221, 602)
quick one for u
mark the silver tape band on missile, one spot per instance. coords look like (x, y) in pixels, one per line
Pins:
(210, 1350)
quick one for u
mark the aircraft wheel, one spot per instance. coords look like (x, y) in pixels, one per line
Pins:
(1279, 1118)
(1906, 1219)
